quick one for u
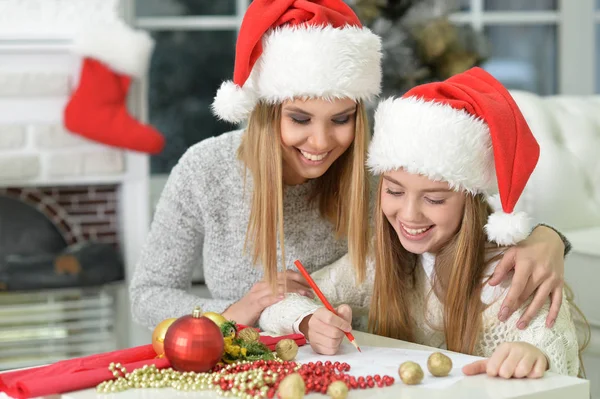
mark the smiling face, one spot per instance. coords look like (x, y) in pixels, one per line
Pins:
(314, 134)
(425, 214)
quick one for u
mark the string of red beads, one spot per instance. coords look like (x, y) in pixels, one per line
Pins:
(317, 376)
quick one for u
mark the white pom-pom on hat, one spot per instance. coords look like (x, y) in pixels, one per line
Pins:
(233, 103)
(508, 228)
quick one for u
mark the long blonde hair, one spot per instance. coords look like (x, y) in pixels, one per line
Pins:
(459, 278)
(461, 263)
(341, 194)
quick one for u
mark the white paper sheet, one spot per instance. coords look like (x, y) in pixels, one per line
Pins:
(386, 361)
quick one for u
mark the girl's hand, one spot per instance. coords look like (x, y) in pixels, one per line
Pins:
(247, 310)
(539, 267)
(324, 330)
(511, 360)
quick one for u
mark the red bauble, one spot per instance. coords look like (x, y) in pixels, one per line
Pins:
(193, 343)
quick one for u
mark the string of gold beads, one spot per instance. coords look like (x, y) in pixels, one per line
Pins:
(245, 379)
(257, 381)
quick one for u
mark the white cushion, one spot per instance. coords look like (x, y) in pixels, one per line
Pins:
(564, 190)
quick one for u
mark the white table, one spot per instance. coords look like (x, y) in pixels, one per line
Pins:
(552, 386)
(582, 273)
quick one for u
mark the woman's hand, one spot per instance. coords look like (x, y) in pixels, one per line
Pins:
(325, 330)
(511, 359)
(248, 309)
(539, 268)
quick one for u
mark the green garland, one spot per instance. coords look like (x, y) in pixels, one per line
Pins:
(229, 328)
(254, 350)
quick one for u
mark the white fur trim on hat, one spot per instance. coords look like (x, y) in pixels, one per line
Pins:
(233, 103)
(118, 46)
(508, 228)
(308, 62)
(316, 61)
(433, 140)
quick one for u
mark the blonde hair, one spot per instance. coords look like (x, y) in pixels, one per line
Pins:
(458, 281)
(461, 263)
(342, 193)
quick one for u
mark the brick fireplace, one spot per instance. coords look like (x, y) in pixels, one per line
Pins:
(80, 212)
(88, 191)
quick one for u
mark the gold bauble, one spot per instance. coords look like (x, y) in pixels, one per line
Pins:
(217, 318)
(249, 334)
(158, 335)
(286, 349)
(337, 390)
(435, 37)
(292, 387)
(410, 373)
(439, 364)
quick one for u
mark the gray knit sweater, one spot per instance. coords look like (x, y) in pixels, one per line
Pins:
(201, 221)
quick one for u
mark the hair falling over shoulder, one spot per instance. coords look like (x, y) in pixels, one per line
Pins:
(584, 330)
(394, 281)
(266, 210)
(341, 194)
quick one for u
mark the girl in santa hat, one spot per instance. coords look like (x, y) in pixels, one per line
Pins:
(303, 72)
(440, 151)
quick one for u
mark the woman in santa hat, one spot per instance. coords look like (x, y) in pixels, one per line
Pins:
(441, 151)
(303, 72)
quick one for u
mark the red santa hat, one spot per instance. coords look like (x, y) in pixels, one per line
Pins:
(467, 131)
(299, 48)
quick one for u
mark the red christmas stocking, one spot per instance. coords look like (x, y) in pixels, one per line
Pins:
(97, 110)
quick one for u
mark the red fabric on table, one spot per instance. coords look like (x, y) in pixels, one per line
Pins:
(75, 374)
(87, 372)
(240, 327)
(271, 342)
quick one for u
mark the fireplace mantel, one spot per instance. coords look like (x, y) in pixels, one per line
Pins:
(52, 20)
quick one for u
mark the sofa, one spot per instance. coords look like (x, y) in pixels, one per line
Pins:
(564, 191)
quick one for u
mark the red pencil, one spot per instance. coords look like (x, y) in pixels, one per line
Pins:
(314, 286)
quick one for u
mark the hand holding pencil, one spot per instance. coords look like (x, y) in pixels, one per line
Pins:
(323, 299)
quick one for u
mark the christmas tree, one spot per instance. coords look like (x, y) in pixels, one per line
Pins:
(187, 68)
(420, 43)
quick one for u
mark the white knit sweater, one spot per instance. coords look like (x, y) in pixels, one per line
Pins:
(337, 282)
